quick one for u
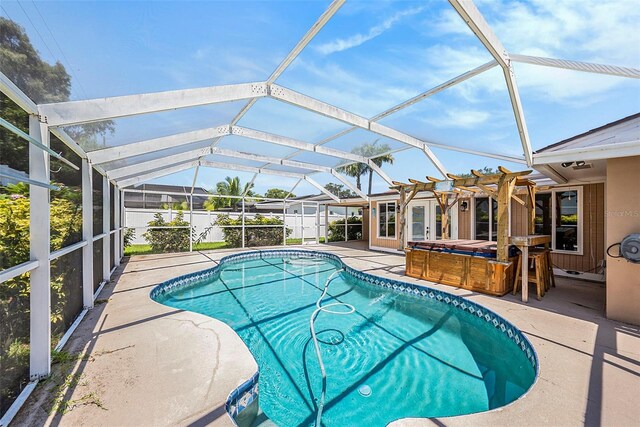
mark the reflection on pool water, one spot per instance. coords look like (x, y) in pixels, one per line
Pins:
(399, 355)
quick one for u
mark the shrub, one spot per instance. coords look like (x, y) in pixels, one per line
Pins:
(128, 236)
(354, 229)
(254, 236)
(171, 239)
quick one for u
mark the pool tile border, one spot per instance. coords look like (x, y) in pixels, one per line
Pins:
(241, 397)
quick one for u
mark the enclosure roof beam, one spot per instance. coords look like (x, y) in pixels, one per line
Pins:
(251, 169)
(587, 67)
(321, 188)
(95, 110)
(164, 171)
(151, 145)
(14, 93)
(434, 90)
(304, 41)
(143, 167)
(331, 111)
(293, 143)
(348, 183)
(267, 159)
(476, 22)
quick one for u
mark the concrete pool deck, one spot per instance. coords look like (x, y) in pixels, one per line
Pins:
(139, 363)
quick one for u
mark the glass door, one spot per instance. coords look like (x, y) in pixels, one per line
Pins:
(420, 221)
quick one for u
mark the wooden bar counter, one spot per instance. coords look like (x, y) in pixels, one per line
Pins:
(467, 264)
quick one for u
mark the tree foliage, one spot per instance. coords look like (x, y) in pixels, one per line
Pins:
(228, 187)
(269, 235)
(277, 193)
(169, 239)
(379, 155)
(354, 229)
(339, 190)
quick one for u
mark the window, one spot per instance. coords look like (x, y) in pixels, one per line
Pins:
(559, 214)
(439, 222)
(486, 218)
(387, 220)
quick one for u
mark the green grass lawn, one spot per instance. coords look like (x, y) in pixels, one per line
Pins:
(205, 246)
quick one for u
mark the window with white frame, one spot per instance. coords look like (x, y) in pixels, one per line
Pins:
(387, 220)
(559, 214)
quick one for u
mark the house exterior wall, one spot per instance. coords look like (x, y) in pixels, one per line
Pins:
(375, 241)
(622, 218)
(592, 230)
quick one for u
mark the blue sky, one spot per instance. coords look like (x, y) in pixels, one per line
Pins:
(369, 57)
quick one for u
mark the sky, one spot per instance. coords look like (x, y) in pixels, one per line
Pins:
(371, 56)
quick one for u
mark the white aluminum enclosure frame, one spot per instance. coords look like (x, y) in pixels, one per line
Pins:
(46, 119)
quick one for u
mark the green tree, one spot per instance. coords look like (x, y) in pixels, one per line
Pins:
(169, 239)
(339, 190)
(378, 153)
(277, 193)
(485, 171)
(43, 83)
(228, 187)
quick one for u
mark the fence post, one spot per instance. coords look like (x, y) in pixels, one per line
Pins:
(326, 224)
(243, 241)
(302, 223)
(284, 222)
(191, 223)
(346, 228)
(317, 223)
(39, 235)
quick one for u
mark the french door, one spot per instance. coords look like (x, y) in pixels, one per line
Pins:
(421, 221)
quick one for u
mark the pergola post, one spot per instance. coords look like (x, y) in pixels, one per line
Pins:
(401, 218)
(531, 209)
(39, 235)
(506, 186)
(444, 216)
(87, 234)
(106, 226)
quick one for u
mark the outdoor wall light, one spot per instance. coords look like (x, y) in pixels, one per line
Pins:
(464, 206)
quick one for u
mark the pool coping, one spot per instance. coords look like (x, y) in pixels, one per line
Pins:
(246, 393)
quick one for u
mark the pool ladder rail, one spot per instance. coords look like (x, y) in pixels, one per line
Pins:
(312, 320)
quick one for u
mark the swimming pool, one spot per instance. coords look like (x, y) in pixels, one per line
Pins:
(406, 351)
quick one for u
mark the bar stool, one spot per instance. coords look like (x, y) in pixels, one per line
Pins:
(539, 274)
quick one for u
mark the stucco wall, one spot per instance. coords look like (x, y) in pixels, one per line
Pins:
(622, 218)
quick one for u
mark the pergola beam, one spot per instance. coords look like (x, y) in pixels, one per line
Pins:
(95, 110)
(476, 22)
(152, 145)
(587, 67)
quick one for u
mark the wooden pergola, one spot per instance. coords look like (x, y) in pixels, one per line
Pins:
(502, 187)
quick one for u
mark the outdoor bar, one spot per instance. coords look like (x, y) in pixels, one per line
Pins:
(477, 265)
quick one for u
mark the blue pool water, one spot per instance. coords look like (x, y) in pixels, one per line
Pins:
(399, 355)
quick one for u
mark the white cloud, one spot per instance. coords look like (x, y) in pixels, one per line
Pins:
(355, 40)
(459, 118)
(596, 31)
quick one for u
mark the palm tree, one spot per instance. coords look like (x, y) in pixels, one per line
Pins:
(355, 170)
(228, 187)
(378, 153)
